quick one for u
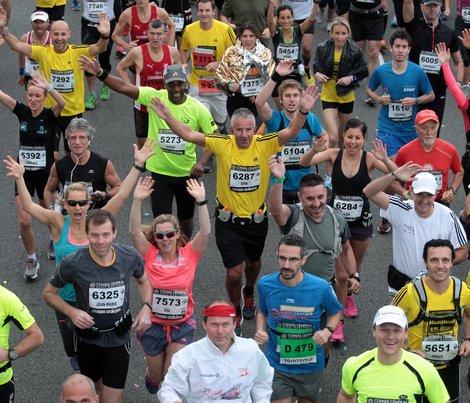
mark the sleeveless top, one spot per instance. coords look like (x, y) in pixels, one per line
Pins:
(63, 247)
(152, 71)
(138, 30)
(347, 195)
(284, 50)
(30, 65)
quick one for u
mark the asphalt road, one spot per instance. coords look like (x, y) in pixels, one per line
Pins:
(39, 376)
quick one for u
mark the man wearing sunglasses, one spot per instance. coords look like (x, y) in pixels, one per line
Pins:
(101, 276)
(291, 303)
(241, 224)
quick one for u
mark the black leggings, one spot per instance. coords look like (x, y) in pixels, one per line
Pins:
(66, 332)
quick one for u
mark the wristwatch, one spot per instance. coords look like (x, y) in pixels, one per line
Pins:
(12, 354)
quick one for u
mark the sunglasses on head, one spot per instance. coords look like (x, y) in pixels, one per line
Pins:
(162, 235)
(73, 203)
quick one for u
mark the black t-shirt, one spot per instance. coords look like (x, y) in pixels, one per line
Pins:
(38, 138)
(92, 173)
(424, 39)
(102, 292)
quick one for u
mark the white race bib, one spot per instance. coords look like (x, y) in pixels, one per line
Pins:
(287, 51)
(440, 348)
(178, 20)
(171, 143)
(33, 157)
(95, 8)
(244, 179)
(169, 305)
(438, 175)
(429, 62)
(350, 206)
(399, 112)
(106, 298)
(62, 81)
(466, 14)
(293, 152)
(251, 86)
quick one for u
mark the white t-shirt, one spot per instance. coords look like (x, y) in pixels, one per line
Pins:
(301, 8)
(411, 232)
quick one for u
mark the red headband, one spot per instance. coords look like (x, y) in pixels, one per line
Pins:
(225, 311)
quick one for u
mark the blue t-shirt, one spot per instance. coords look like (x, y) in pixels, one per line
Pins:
(293, 316)
(296, 146)
(395, 118)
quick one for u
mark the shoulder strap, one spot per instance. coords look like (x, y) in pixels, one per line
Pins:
(457, 293)
(423, 300)
(337, 245)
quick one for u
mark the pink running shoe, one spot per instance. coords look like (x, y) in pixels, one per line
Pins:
(338, 334)
(350, 310)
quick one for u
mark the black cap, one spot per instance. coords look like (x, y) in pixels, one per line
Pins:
(174, 72)
(426, 2)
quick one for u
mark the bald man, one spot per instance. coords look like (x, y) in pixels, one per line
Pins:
(59, 63)
(78, 388)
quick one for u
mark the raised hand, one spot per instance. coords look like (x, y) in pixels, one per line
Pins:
(407, 171)
(144, 188)
(380, 150)
(465, 38)
(285, 67)
(442, 52)
(160, 108)
(196, 189)
(3, 18)
(15, 170)
(320, 144)
(142, 155)
(39, 80)
(277, 167)
(89, 65)
(104, 27)
(308, 98)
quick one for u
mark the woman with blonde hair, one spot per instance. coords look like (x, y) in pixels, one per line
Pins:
(170, 263)
(339, 65)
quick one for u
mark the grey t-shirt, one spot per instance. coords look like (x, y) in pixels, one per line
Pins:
(319, 264)
(102, 292)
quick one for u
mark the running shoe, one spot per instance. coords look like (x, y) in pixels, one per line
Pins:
(238, 325)
(74, 363)
(394, 22)
(370, 102)
(90, 101)
(50, 250)
(384, 226)
(76, 5)
(151, 386)
(350, 310)
(338, 334)
(104, 93)
(328, 183)
(328, 26)
(31, 272)
(249, 307)
(383, 46)
(120, 52)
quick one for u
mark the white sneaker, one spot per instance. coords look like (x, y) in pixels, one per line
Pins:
(31, 272)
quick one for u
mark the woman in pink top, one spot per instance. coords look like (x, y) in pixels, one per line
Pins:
(170, 263)
(463, 103)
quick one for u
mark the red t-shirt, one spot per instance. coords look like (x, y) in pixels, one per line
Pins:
(172, 283)
(438, 161)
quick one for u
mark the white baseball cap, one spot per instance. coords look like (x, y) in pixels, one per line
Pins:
(424, 182)
(391, 314)
(39, 15)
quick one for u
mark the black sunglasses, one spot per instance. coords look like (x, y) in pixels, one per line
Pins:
(73, 203)
(162, 235)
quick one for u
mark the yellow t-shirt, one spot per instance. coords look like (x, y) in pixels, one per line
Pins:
(242, 173)
(12, 310)
(50, 3)
(328, 92)
(63, 71)
(206, 46)
(427, 335)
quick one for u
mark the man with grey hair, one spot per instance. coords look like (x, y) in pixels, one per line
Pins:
(78, 388)
(83, 165)
(242, 180)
